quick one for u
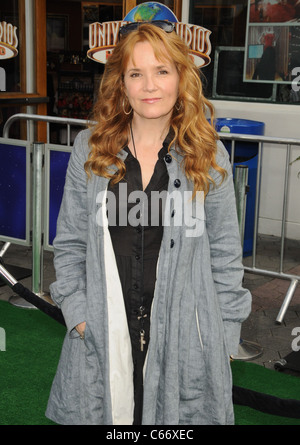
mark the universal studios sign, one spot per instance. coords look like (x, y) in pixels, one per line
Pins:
(8, 40)
(103, 37)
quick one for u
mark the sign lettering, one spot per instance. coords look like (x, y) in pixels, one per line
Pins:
(8, 40)
(103, 37)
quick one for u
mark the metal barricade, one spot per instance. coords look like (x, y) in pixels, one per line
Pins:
(260, 140)
(38, 156)
(68, 122)
(288, 143)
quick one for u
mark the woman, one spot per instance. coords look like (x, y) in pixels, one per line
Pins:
(159, 299)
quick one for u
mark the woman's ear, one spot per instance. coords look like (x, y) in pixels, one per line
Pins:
(123, 87)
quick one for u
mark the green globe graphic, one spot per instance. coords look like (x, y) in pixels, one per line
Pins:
(150, 11)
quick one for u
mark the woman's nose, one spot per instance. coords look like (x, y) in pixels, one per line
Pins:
(149, 83)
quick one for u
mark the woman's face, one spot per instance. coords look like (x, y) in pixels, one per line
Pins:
(151, 85)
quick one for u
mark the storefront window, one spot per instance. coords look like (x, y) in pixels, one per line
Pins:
(73, 78)
(226, 76)
(17, 62)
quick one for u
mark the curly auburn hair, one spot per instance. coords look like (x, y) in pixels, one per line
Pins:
(194, 137)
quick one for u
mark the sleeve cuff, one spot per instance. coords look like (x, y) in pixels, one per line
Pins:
(232, 336)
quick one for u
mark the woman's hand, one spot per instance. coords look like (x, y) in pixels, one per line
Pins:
(80, 328)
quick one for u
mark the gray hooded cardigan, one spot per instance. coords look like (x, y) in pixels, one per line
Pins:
(198, 307)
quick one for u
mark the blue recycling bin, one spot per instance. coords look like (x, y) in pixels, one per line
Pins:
(245, 153)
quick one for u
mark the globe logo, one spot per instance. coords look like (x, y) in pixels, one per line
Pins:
(150, 11)
(103, 37)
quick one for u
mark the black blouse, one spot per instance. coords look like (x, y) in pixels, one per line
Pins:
(136, 245)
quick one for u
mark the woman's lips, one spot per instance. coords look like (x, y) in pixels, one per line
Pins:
(151, 101)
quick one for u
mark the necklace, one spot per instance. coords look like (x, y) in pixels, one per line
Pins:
(132, 138)
(141, 315)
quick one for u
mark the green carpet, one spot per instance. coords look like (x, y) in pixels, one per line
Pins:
(266, 381)
(28, 365)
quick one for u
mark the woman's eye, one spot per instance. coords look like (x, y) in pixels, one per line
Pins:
(134, 75)
(163, 72)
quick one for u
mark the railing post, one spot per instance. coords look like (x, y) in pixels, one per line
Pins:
(247, 350)
(287, 300)
(4, 249)
(284, 207)
(37, 228)
(240, 188)
(257, 202)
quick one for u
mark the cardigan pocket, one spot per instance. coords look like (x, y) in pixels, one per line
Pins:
(192, 366)
(93, 387)
(198, 328)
